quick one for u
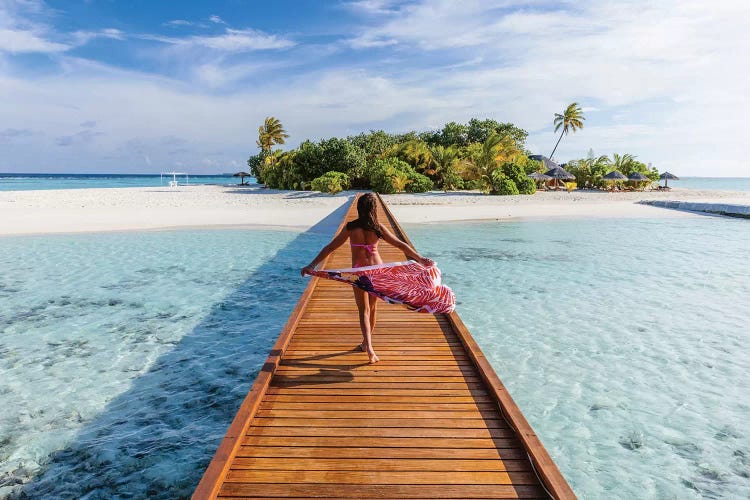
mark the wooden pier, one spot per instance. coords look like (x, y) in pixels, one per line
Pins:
(430, 420)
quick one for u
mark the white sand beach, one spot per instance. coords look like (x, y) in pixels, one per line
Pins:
(122, 209)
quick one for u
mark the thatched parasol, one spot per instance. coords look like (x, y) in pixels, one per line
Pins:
(668, 177)
(637, 176)
(559, 173)
(546, 162)
(614, 175)
(538, 176)
(242, 176)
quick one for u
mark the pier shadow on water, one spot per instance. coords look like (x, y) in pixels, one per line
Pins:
(155, 439)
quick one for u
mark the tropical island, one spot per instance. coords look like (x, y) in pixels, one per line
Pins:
(483, 154)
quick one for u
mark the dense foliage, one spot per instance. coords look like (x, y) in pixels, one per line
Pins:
(331, 182)
(590, 170)
(483, 155)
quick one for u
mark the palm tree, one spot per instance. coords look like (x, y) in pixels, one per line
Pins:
(622, 162)
(399, 181)
(443, 161)
(570, 120)
(495, 151)
(270, 133)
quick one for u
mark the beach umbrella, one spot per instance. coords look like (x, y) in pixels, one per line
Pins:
(668, 177)
(242, 176)
(637, 176)
(546, 162)
(559, 173)
(537, 176)
(615, 175)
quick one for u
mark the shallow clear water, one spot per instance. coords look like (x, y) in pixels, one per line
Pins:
(720, 183)
(26, 182)
(123, 357)
(624, 342)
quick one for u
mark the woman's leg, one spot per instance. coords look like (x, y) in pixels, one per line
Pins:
(363, 305)
(373, 311)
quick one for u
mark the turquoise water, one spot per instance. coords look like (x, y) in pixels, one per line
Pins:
(26, 182)
(720, 183)
(124, 356)
(624, 342)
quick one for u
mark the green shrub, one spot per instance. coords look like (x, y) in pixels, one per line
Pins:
(339, 155)
(502, 185)
(383, 172)
(255, 162)
(526, 186)
(419, 183)
(474, 184)
(451, 180)
(331, 182)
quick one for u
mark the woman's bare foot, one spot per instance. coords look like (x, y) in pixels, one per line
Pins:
(361, 347)
(373, 357)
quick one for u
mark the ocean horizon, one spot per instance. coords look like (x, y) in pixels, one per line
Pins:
(45, 181)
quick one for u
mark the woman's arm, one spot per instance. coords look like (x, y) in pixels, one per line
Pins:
(336, 242)
(391, 239)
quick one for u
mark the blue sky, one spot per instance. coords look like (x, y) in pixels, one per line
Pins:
(143, 86)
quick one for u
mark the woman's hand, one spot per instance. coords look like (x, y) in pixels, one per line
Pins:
(306, 270)
(426, 262)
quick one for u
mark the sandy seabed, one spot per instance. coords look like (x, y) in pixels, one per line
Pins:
(147, 208)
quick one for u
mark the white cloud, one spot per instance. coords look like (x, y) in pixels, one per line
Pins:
(20, 41)
(178, 22)
(216, 19)
(367, 42)
(373, 7)
(242, 41)
(231, 41)
(84, 37)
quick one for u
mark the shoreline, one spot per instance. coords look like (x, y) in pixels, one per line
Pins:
(94, 210)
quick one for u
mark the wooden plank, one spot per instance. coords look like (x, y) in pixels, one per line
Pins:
(379, 464)
(380, 442)
(378, 398)
(273, 490)
(389, 406)
(389, 453)
(446, 423)
(379, 477)
(415, 432)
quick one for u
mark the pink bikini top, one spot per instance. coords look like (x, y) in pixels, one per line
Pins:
(371, 248)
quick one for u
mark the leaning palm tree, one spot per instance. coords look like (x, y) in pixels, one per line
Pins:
(570, 120)
(270, 133)
(623, 163)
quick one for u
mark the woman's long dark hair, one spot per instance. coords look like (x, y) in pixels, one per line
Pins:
(367, 209)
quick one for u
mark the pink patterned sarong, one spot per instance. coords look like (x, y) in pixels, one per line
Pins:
(409, 283)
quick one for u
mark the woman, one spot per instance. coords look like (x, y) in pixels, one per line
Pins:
(364, 233)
